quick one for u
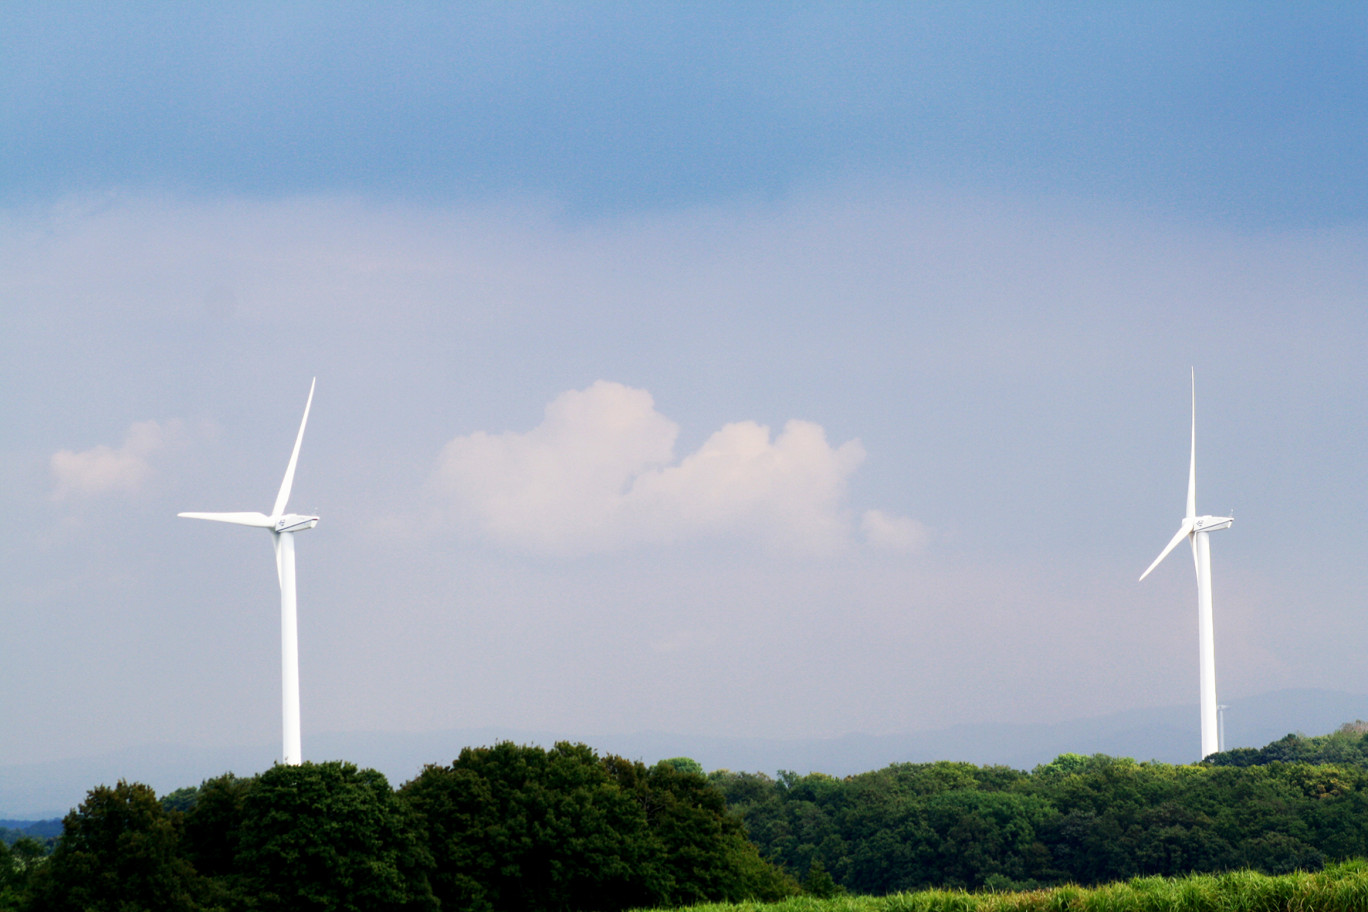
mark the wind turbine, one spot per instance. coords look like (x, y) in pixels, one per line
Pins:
(1195, 528)
(282, 526)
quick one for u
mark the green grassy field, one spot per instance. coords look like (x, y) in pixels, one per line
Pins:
(1338, 888)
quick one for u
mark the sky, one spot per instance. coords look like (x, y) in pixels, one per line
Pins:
(720, 369)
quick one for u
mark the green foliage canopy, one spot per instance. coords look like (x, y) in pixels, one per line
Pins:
(1076, 819)
(520, 827)
(120, 850)
(329, 837)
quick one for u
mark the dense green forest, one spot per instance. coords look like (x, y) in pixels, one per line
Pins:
(1084, 820)
(1346, 747)
(524, 828)
(505, 827)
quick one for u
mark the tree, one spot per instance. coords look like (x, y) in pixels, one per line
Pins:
(328, 837)
(817, 882)
(213, 823)
(18, 862)
(706, 853)
(519, 827)
(120, 850)
(685, 765)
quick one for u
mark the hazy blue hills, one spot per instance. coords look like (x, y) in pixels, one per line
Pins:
(34, 791)
(11, 830)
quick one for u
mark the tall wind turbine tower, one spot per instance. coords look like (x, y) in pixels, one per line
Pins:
(282, 526)
(1196, 529)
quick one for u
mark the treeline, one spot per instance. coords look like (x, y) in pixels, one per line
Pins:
(524, 828)
(11, 831)
(504, 827)
(1346, 747)
(1084, 820)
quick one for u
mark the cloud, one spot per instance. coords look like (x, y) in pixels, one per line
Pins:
(565, 481)
(893, 533)
(104, 469)
(599, 473)
(788, 491)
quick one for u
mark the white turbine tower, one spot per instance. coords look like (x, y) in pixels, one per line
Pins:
(283, 526)
(1195, 528)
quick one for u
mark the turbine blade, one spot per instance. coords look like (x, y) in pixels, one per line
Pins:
(259, 520)
(1183, 531)
(1192, 457)
(280, 571)
(288, 483)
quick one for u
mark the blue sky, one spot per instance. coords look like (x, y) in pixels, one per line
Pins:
(1250, 116)
(716, 369)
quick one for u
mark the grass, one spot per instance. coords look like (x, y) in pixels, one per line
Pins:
(1338, 888)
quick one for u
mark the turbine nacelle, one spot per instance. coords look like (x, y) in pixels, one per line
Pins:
(294, 522)
(1186, 529)
(1211, 523)
(290, 522)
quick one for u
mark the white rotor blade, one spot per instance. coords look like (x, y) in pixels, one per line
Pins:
(1183, 531)
(280, 571)
(1192, 458)
(259, 520)
(285, 485)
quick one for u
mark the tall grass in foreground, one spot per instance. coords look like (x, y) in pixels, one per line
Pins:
(1337, 888)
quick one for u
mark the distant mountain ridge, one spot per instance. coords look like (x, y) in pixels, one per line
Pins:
(10, 830)
(1169, 734)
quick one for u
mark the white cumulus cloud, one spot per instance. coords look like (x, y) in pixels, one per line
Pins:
(600, 473)
(104, 469)
(563, 485)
